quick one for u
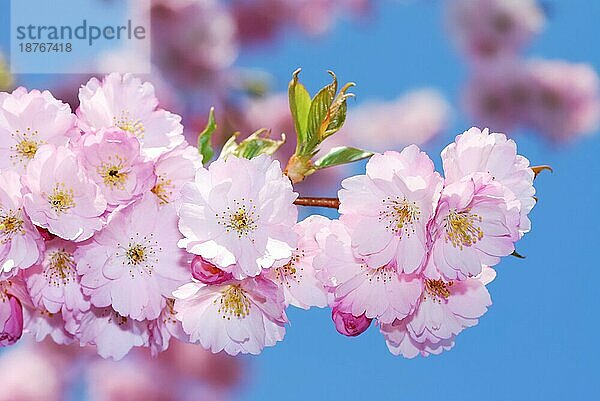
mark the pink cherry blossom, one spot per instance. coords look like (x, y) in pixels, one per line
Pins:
(112, 159)
(59, 197)
(239, 215)
(165, 327)
(485, 29)
(387, 209)
(40, 323)
(127, 103)
(476, 223)
(565, 101)
(297, 277)
(29, 120)
(20, 242)
(173, 169)
(445, 310)
(237, 317)
(413, 118)
(11, 319)
(54, 284)
(380, 292)
(113, 334)
(484, 152)
(348, 324)
(134, 262)
(208, 273)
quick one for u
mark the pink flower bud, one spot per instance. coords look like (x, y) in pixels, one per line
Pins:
(348, 324)
(11, 320)
(46, 235)
(208, 273)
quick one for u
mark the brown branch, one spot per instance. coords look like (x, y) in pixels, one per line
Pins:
(333, 203)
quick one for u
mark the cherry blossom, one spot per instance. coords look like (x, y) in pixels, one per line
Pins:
(59, 197)
(11, 318)
(239, 215)
(237, 317)
(20, 242)
(388, 208)
(134, 263)
(112, 159)
(127, 103)
(28, 120)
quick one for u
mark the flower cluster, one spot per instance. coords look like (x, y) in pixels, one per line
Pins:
(115, 235)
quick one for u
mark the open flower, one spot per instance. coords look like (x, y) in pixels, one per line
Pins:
(297, 277)
(477, 151)
(165, 327)
(113, 334)
(446, 308)
(112, 159)
(54, 284)
(20, 242)
(237, 317)
(387, 210)
(239, 215)
(380, 292)
(173, 169)
(41, 324)
(59, 197)
(476, 223)
(134, 263)
(29, 120)
(127, 103)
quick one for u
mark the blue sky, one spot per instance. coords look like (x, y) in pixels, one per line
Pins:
(537, 342)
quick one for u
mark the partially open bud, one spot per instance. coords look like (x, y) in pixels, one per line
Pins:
(208, 273)
(11, 319)
(348, 324)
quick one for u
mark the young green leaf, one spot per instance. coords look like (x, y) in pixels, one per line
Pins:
(299, 100)
(341, 155)
(319, 110)
(256, 144)
(204, 143)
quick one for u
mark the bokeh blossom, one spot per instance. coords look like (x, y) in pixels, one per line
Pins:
(239, 215)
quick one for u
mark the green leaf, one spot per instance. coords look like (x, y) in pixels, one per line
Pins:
(256, 144)
(300, 101)
(341, 155)
(204, 143)
(319, 110)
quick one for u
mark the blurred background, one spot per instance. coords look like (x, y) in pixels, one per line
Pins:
(426, 70)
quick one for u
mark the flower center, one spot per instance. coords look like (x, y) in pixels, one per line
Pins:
(290, 271)
(240, 218)
(11, 222)
(61, 268)
(140, 255)
(234, 302)
(26, 145)
(112, 172)
(129, 124)
(382, 274)
(462, 228)
(400, 215)
(61, 198)
(162, 190)
(437, 290)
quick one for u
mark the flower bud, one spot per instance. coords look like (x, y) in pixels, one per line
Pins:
(208, 273)
(348, 324)
(11, 319)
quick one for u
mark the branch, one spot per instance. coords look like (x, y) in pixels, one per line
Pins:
(333, 203)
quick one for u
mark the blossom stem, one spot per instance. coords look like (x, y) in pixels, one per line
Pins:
(333, 203)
